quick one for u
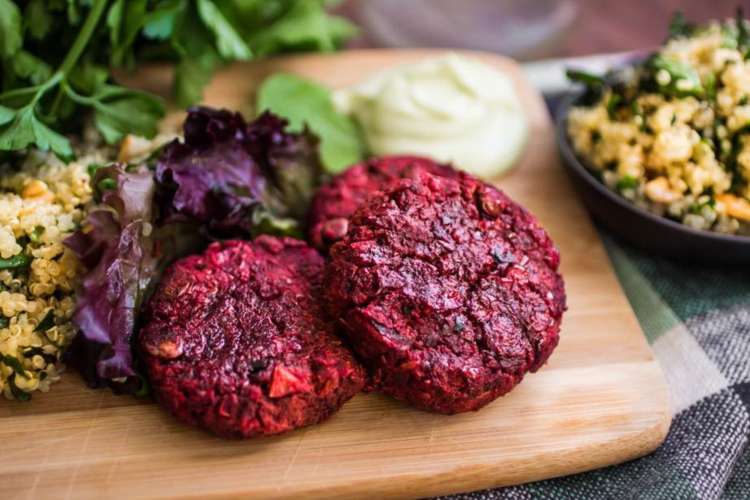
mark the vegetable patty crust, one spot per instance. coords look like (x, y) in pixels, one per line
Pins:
(336, 201)
(236, 342)
(448, 290)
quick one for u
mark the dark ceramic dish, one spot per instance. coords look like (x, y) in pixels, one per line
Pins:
(643, 229)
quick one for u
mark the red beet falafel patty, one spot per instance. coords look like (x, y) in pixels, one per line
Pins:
(448, 290)
(336, 201)
(235, 340)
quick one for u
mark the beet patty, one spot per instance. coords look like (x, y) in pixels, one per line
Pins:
(335, 202)
(448, 290)
(235, 340)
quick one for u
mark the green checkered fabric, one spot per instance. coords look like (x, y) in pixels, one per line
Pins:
(697, 320)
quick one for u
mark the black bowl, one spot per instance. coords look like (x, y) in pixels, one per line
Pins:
(637, 226)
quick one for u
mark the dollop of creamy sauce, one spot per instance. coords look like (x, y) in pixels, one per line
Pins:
(452, 109)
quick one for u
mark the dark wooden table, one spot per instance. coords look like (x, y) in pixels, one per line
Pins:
(612, 25)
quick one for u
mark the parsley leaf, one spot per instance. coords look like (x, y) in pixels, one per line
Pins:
(6, 115)
(125, 20)
(12, 362)
(56, 57)
(159, 23)
(38, 19)
(29, 67)
(679, 27)
(10, 29)
(47, 322)
(17, 261)
(199, 59)
(684, 80)
(584, 77)
(119, 111)
(191, 77)
(26, 129)
(228, 42)
(305, 26)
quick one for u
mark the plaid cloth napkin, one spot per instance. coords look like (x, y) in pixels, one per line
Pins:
(697, 320)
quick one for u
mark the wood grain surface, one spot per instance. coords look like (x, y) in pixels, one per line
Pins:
(601, 399)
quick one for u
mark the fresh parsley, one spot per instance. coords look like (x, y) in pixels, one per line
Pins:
(18, 261)
(584, 77)
(57, 57)
(683, 78)
(47, 322)
(29, 114)
(627, 182)
(679, 27)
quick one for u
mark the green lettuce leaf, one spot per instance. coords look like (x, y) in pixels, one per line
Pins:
(303, 102)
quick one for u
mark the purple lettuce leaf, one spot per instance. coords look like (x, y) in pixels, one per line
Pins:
(290, 161)
(120, 259)
(210, 177)
(226, 173)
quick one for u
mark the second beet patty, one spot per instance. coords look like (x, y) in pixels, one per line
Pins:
(448, 290)
(236, 340)
(336, 201)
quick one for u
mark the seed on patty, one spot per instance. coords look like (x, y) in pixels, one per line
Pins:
(167, 349)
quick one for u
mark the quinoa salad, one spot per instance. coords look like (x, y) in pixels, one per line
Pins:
(40, 205)
(672, 133)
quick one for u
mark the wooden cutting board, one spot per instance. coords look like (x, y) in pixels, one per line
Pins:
(601, 399)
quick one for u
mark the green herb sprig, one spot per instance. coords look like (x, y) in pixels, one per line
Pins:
(56, 58)
(27, 114)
